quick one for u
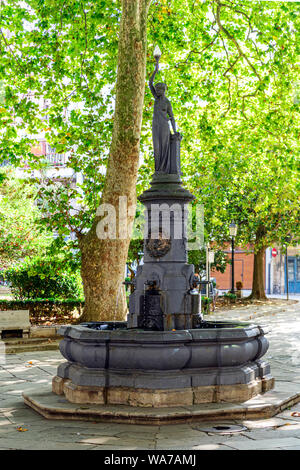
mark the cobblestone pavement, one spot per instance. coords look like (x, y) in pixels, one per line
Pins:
(22, 428)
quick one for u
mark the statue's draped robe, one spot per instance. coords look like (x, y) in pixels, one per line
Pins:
(161, 134)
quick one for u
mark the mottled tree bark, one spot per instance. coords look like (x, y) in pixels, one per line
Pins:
(103, 261)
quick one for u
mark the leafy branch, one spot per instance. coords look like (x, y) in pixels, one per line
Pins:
(232, 38)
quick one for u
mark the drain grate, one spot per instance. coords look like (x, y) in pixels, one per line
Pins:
(224, 429)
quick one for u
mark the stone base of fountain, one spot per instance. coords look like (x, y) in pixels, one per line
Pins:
(138, 397)
(217, 362)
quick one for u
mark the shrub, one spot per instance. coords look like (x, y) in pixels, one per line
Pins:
(230, 297)
(43, 278)
(205, 303)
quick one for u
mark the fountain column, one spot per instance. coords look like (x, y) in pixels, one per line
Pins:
(164, 297)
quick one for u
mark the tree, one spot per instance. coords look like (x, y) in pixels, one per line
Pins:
(247, 167)
(261, 197)
(230, 69)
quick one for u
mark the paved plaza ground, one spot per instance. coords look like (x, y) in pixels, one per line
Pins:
(23, 429)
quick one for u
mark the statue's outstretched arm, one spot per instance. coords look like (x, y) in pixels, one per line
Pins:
(151, 81)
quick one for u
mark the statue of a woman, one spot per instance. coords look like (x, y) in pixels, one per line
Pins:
(162, 114)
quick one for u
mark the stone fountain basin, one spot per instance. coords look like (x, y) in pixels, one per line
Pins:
(107, 361)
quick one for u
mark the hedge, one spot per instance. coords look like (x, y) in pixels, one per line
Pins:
(44, 277)
(47, 310)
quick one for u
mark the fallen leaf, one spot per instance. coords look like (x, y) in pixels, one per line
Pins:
(296, 413)
(20, 429)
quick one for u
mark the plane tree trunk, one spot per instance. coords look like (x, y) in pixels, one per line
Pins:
(258, 281)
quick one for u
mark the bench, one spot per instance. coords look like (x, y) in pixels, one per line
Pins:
(15, 320)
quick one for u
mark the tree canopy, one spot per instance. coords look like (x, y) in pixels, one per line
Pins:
(232, 70)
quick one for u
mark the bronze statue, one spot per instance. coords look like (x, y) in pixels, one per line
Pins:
(162, 114)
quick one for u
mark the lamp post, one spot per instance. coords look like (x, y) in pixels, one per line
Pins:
(288, 239)
(232, 232)
(207, 269)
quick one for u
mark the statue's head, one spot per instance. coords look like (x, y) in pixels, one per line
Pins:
(160, 89)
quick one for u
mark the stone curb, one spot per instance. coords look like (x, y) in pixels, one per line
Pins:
(41, 331)
(267, 405)
(41, 338)
(17, 346)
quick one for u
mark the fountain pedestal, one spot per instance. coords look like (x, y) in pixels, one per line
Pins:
(164, 297)
(165, 355)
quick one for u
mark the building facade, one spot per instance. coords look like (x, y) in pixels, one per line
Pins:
(243, 269)
(275, 273)
(283, 270)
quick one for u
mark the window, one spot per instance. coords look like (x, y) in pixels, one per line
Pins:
(298, 268)
(291, 271)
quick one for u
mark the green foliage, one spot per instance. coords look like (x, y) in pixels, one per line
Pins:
(231, 68)
(205, 304)
(44, 278)
(65, 54)
(230, 296)
(198, 259)
(20, 231)
(19, 304)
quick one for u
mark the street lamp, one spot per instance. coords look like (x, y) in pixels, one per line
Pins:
(157, 52)
(232, 232)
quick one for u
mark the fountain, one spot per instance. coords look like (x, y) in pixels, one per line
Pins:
(165, 354)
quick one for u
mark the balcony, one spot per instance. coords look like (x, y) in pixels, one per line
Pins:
(55, 159)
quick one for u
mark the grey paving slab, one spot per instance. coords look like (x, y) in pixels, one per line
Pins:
(264, 444)
(210, 447)
(11, 443)
(284, 431)
(204, 438)
(118, 442)
(266, 423)
(290, 448)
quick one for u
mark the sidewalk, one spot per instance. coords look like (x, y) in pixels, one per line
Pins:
(22, 428)
(246, 293)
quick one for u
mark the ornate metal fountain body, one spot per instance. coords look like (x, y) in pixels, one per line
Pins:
(164, 298)
(165, 355)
